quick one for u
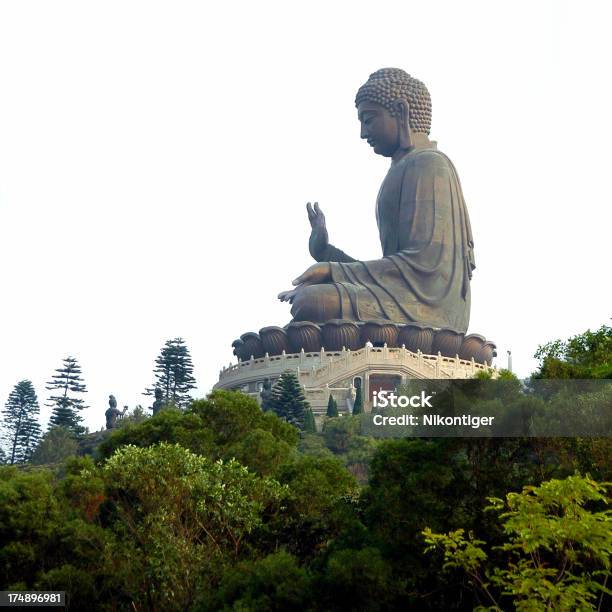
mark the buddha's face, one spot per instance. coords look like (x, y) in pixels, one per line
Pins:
(379, 128)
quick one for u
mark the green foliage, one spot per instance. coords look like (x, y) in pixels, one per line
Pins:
(78, 583)
(227, 424)
(413, 482)
(359, 454)
(275, 583)
(154, 528)
(416, 483)
(167, 426)
(55, 446)
(261, 451)
(332, 407)
(557, 550)
(341, 436)
(309, 421)
(174, 373)
(224, 507)
(339, 431)
(134, 417)
(288, 400)
(47, 543)
(317, 506)
(180, 518)
(587, 355)
(360, 580)
(231, 415)
(66, 406)
(314, 445)
(20, 422)
(28, 517)
(504, 374)
(316, 484)
(358, 405)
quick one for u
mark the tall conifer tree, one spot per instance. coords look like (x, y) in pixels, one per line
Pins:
(21, 427)
(288, 400)
(332, 406)
(66, 406)
(310, 425)
(174, 373)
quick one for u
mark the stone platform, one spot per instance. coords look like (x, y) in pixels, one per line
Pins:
(339, 372)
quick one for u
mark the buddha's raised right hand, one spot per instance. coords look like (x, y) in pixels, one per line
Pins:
(319, 239)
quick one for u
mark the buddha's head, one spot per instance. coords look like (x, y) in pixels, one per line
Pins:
(112, 402)
(392, 105)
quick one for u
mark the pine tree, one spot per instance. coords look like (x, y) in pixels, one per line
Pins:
(358, 405)
(332, 407)
(22, 430)
(288, 400)
(310, 425)
(174, 373)
(66, 407)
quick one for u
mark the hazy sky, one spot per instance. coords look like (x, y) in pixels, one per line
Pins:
(156, 158)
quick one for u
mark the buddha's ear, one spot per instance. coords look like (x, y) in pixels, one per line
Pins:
(402, 108)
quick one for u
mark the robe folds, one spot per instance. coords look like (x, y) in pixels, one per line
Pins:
(424, 274)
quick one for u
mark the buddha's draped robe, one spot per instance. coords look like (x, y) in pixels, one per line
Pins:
(424, 275)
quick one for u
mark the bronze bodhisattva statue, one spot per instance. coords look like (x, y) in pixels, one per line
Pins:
(113, 413)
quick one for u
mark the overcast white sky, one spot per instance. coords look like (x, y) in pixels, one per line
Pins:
(156, 158)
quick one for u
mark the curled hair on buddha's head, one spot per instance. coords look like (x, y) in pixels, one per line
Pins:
(386, 85)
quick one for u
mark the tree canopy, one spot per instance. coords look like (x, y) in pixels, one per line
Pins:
(20, 422)
(332, 407)
(223, 506)
(587, 355)
(174, 373)
(288, 400)
(68, 384)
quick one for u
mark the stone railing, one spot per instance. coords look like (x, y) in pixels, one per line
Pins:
(418, 364)
(317, 369)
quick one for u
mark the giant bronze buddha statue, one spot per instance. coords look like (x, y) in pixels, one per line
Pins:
(427, 248)
(417, 295)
